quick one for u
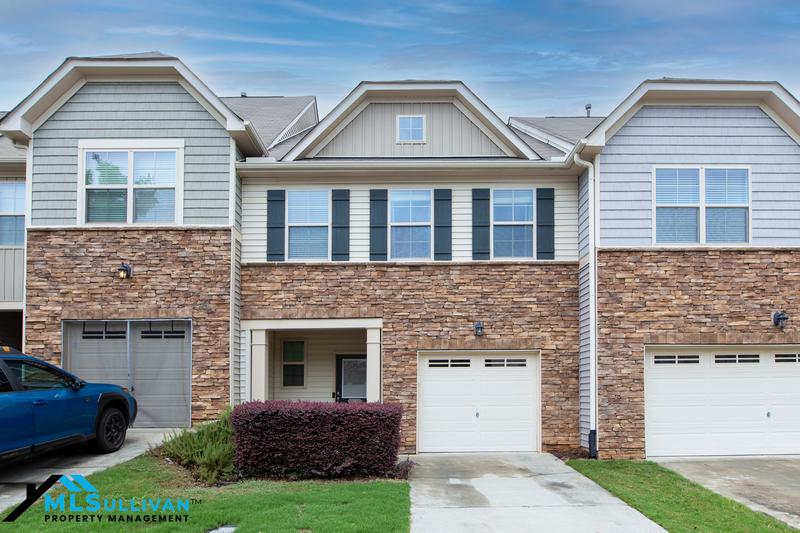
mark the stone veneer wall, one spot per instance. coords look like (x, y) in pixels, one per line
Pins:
(180, 273)
(433, 306)
(680, 297)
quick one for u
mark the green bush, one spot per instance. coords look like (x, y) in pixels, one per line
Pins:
(206, 450)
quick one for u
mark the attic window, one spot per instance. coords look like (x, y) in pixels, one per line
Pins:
(410, 128)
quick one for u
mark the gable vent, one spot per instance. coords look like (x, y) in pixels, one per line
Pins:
(676, 359)
(448, 363)
(502, 362)
(737, 358)
(103, 331)
(787, 358)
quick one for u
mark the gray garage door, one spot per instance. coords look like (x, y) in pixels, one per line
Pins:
(151, 358)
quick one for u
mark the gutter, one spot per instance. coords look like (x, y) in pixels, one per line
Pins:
(593, 214)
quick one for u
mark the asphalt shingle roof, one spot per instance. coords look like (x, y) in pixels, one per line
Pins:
(269, 114)
(571, 129)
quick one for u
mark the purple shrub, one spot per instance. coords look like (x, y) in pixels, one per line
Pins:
(283, 439)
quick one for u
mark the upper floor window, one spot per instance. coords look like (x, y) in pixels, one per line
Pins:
(122, 185)
(702, 205)
(12, 213)
(308, 224)
(411, 128)
(512, 223)
(410, 224)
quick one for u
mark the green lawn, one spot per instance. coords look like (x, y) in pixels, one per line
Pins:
(673, 501)
(307, 506)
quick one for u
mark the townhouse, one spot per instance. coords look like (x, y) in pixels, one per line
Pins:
(621, 284)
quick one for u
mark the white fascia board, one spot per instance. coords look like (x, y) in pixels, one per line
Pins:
(362, 91)
(546, 137)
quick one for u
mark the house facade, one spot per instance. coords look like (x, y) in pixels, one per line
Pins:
(608, 283)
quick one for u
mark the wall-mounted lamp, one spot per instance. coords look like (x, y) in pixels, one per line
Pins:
(125, 271)
(779, 319)
(478, 328)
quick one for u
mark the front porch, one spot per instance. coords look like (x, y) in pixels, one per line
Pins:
(313, 359)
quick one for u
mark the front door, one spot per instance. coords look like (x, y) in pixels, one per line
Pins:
(351, 378)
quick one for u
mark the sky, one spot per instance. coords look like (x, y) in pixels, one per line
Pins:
(523, 58)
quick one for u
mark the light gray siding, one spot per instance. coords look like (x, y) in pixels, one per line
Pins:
(699, 135)
(239, 357)
(449, 133)
(584, 351)
(12, 274)
(134, 110)
(583, 214)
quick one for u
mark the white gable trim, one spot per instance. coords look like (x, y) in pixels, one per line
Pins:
(282, 136)
(546, 137)
(361, 96)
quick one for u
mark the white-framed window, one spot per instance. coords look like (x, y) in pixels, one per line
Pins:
(12, 213)
(696, 205)
(513, 223)
(293, 362)
(137, 181)
(410, 224)
(308, 225)
(410, 128)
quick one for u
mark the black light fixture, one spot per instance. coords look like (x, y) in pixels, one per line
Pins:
(779, 319)
(125, 271)
(478, 327)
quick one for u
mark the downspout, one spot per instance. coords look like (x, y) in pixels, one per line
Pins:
(589, 166)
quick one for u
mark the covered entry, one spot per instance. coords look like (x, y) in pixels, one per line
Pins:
(152, 358)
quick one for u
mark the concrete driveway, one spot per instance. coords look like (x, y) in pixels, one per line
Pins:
(513, 492)
(78, 459)
(767, 484)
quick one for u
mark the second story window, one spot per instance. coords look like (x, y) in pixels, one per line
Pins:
(308, 224)
(702, 205)
(512, 223)
(12, 213)
(411, 128)
(410, 224)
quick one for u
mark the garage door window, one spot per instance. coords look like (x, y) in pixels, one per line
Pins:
(104, 330)
(294, 367)
(676, 359)
(787, 358)
(737, 358)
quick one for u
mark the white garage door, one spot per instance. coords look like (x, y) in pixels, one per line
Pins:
(731, 401)
(478, 403)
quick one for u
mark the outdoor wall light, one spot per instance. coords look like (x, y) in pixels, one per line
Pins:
(478, 328)
(779, 319)
(125, 271)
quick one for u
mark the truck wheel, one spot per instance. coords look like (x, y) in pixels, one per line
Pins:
(111, 430)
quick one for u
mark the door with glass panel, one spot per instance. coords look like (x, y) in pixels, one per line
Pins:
(351, 378)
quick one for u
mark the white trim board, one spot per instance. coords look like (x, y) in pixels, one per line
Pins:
(313, 323)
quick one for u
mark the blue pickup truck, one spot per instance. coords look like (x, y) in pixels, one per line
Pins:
(43, 407)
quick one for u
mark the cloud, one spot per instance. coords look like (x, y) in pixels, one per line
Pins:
(384, 18)
(177, 31)
(12, 43)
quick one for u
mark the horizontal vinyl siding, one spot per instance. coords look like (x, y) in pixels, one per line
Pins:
(584, 351)
(254, 212)
(130, 111)
(322, 346)
(664, 135)
(583, 214)
(239, 356)
(12, 274)
(448, 133)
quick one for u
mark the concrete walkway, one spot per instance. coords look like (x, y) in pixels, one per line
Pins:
(78, 459)
(513, 493)
(769, 485)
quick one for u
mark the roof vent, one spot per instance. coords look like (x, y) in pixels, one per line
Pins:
(588, 108)
(244, 94)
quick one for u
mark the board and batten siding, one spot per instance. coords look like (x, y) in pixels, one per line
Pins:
(322, 347)
(131, 110)
(584, 354)
(254, 211)
(699, 135)
(448, 133)
(12, 270)
(583, 214)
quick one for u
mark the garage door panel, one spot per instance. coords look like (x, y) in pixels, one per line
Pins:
(737, 407)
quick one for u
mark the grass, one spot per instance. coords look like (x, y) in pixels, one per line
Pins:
(672, 501)
(251, 506)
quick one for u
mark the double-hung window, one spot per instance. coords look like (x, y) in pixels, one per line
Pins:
(122, 186)
(12, 213)
(411, 128)
(512, 223)
(702, 205)
(308, 224)
(294, 363)
(410, 224)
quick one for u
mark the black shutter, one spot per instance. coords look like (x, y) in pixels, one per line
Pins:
(545, 224)
(442, 224)
(378, 210)
(340, 231)
(481, 199)
(276, 225)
